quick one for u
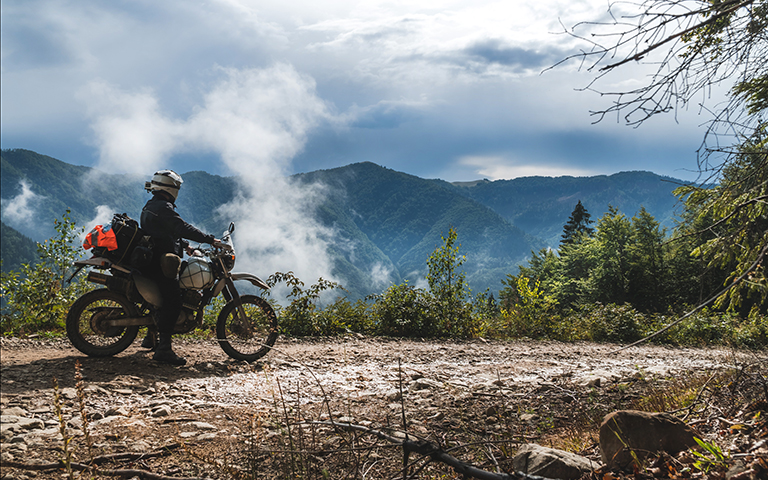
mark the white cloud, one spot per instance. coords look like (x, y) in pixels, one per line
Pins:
(424, 42)
(256, 121)
(381, 276)
(497, 168)
(20, 210)
(257, 118)
(131, 133)
(475, 61)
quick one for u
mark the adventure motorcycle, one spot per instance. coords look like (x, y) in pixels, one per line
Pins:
(105, 322)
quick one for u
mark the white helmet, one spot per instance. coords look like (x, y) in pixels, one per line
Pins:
(165, 180)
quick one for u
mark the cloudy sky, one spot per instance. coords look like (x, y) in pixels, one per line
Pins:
(447, 89)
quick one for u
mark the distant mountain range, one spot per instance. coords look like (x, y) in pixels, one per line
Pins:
(393, 220)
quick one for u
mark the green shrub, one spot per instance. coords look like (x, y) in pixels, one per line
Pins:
(703, 328)
(38, 297)
(529, 312)
(752, 333)
(404, 311)
(721, 328)
(343, 316)
(211, 313)
(300, 318)
(609, 323)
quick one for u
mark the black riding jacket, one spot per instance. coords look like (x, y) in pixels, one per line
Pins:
(166, 227)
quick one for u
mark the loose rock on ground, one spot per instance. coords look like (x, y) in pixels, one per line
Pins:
(488, 389)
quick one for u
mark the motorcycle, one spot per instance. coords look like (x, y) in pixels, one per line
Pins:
(105, 322)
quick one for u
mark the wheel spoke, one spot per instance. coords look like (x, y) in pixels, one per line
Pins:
(87, 323)
(250, 337)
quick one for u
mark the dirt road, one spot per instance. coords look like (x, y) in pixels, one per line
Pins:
(493, 389)
(367, 366)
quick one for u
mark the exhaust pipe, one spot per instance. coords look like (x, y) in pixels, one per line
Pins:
(97, 277)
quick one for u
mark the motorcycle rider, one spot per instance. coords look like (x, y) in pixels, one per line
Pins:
(168, 230)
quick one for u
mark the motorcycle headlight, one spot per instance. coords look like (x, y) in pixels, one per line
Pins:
(229, 261)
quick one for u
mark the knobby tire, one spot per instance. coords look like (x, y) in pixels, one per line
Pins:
(247, 342)
(83, 315)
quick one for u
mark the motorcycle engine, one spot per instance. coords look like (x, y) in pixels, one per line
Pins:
(190, 301)
(185, 322)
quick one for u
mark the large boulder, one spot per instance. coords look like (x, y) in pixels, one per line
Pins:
(629, 434)
(550, 463)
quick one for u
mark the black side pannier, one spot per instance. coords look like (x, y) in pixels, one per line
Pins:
(129, 236)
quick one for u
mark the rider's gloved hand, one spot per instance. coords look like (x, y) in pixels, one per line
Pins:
(219, 244)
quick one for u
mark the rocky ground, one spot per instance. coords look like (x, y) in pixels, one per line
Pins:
(482, 400)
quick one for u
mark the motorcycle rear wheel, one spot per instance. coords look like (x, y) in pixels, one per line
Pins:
(251, 339)
(85, 327)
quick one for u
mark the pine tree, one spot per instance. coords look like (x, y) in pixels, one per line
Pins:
(578, 223)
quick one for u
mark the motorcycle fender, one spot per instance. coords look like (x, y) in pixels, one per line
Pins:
(148, 290)
(251, 278)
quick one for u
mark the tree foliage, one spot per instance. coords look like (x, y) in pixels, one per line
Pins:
(17, 248)
(737, 226)
(38, 296)
(692, 47)
(577, 225)
(448, 285)
(625, 261)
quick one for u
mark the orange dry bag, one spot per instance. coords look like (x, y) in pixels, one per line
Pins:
(101, 236)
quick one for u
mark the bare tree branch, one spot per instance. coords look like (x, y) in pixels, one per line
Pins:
(434, 452)
(720, 14)
(122, 472)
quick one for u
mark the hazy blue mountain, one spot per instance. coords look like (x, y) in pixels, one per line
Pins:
(541, 205)
(404, 217)
(59, 186)
(16, 247)
(385, 223)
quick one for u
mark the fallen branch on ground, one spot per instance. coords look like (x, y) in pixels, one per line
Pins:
(433, 451)
(122, 472)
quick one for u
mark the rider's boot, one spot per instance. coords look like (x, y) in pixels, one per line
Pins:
(164, 353)
(150, 341)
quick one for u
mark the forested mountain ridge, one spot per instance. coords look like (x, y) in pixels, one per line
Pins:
(57, 186)
(405, 216)
(540, 205)
(20, 248)
(393, 220)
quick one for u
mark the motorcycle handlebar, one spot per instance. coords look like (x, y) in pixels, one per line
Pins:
(210, 252)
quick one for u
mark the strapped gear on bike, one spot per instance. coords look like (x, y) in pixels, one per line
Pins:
(166, 181)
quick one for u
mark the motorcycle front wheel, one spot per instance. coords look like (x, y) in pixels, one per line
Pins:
(248, 338)
(86, 327)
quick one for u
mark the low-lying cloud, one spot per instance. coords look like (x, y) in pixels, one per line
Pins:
(255, 121)
(19, 211)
